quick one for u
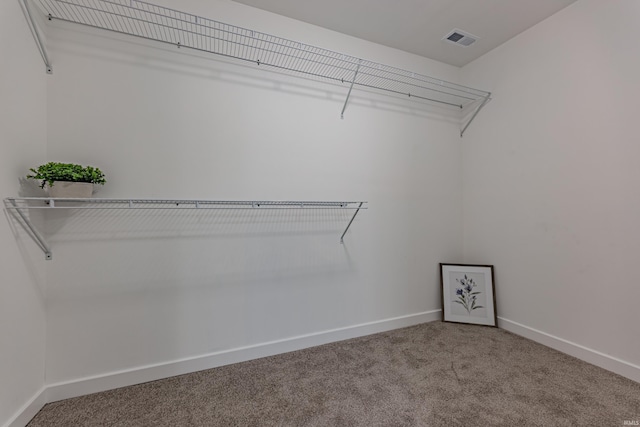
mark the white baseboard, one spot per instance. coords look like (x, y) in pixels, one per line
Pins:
(29, 409)
(610, 363)
(88, 385)
(74, 388)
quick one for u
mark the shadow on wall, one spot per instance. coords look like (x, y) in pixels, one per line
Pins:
(116, 250)
(185, 62)
(30, 253)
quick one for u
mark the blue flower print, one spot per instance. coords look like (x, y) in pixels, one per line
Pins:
(467, 297)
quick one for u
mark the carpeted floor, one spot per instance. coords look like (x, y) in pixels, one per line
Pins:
(434, 374)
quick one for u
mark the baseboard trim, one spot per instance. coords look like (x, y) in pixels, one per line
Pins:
(88, 385)
(605, 361)
(29, 409)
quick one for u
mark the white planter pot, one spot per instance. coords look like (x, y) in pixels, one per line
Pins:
(66, 189)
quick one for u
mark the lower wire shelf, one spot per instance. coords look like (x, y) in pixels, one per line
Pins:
(19, 207)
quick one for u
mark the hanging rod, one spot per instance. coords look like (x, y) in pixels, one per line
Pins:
(19, 206)
(152, 22)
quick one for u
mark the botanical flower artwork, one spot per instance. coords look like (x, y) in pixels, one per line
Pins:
(468, 294)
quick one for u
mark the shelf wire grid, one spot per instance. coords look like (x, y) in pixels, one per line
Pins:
(95, 203)
(149, 21)
(20, 207)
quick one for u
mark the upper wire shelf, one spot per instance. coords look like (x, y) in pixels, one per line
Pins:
(152, 22)
(19, 207)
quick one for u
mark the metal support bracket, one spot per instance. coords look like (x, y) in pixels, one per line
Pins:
(25, 222)
(475, 113)
(350, 89)
(36, 35)
(349, 225)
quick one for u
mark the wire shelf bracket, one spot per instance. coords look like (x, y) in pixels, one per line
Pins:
(36, 35)
(355, 75)
(475, 113)
(19, 207)
(184, 30)
(26, 223)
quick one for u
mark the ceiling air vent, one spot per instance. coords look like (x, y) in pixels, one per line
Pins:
(461, 38)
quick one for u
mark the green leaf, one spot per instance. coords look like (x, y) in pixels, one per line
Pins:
(53, 171)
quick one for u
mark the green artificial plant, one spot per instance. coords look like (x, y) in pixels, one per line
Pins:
(53, 171)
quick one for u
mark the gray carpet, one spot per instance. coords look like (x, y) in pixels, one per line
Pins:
(434, 374)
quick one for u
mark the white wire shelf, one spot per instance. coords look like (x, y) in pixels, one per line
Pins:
(95, 203)
(19, 207)
(152, 22)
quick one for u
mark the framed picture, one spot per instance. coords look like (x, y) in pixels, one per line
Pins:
(468, 294)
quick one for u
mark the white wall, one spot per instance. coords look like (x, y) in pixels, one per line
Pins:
(547, 170)
(126, 292)
(551, 179)
(22, 144)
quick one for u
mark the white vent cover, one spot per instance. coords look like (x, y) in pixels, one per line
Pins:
(461, 38)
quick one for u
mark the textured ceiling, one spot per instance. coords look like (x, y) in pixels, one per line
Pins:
(418, 26)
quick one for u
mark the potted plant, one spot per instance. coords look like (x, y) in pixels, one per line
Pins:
(67, 179)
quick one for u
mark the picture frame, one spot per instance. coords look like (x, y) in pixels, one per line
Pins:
(468, 294)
